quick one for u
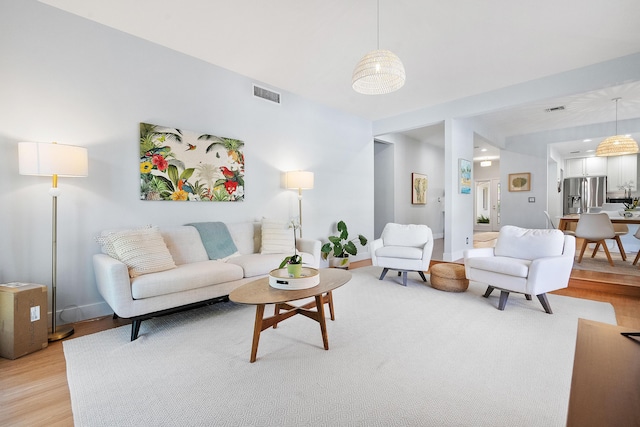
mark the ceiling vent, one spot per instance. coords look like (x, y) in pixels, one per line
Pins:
(267, 94)
(551, 110)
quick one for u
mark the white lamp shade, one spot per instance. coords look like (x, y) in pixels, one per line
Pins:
(48, 159)
(300, 180)
(378, 72)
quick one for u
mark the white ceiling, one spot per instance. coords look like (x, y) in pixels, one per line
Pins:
(450, 49)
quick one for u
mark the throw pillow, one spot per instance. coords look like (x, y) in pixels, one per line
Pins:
(277, 237)
(106, 243)
(143, 251)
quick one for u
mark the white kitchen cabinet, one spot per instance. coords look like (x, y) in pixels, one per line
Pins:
(622, 170)
(586, 166)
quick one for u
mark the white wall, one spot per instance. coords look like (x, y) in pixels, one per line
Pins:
(68, 79)
(413, 156)
(489, 172)
(384, 178)
(515, 208)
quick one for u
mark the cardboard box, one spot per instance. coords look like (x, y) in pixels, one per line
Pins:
(23, 319)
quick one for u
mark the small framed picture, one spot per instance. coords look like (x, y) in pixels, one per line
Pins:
(520, 181)
(419, 184)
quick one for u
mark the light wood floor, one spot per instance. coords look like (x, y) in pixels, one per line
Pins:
(34, 390)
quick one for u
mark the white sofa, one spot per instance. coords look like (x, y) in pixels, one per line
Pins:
(195, 279)
(527, 261)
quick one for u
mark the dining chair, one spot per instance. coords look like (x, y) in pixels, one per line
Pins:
(568, 232)
(595, 228)
(621, 230)
(550, 223)
(637, 236)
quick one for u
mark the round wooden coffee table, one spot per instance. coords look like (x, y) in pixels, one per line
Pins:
(259, 293)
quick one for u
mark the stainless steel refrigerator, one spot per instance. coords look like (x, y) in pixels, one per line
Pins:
(580, 194)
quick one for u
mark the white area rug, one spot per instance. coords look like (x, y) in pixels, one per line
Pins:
(399, 356)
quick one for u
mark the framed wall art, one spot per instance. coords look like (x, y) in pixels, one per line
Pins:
(520, 181)
(179, 165)
(464, 176)
(419, 184)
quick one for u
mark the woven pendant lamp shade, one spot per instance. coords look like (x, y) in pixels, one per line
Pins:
(618, 145)
(378, 72)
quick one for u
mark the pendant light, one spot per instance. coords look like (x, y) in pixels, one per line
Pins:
(379, 71)
(617, 145)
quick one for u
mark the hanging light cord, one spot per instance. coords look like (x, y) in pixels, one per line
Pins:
(378, 20)
(616, 99)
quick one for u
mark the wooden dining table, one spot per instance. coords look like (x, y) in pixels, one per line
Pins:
(568, 222)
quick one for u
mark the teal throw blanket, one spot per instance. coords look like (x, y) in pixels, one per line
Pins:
(216, 239)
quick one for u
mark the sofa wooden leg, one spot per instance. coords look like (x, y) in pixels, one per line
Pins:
(488, 291)
(528, 297)
(384, 273)
(545, 303)
(135, 329)
(504, 295)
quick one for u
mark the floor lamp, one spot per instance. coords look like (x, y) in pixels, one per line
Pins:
(300, 180)
(54, 160)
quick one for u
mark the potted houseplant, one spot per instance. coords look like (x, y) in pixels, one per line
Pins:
(293, 262)
(341, 247)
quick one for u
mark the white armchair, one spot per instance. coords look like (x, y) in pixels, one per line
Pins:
(404, 248)
(526, 261)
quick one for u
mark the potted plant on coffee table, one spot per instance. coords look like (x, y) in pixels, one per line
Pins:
(293, 262)
(341, 247)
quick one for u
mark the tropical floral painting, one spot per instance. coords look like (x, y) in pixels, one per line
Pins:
(181, 165)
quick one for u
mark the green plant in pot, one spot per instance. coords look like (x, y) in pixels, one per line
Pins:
(341, 246)
(293, 262)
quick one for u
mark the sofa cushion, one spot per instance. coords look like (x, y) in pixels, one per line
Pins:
(183, 278)
(246, 236)
(184, 244)
(277, 237)
(502, 265)
(216, 239)
(143, 251)
(516, 242)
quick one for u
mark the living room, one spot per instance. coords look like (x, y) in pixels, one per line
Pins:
(75, 81)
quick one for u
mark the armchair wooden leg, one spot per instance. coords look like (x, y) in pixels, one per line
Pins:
(384, 273)
(545, 303)
(488, 291)
(528, 297)
(421, 273)
(635, 261)
(504, 295)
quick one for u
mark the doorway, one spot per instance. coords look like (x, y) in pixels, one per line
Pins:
(487, 205)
